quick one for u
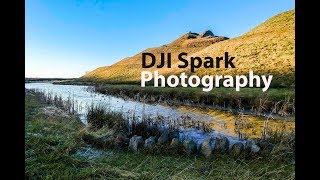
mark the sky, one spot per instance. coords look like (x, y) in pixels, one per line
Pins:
(67, 38)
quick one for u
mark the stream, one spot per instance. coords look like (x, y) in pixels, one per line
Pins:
(222, 123)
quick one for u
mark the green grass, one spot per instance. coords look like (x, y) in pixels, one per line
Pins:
(32, 106)
(275, 94)
(52, 144)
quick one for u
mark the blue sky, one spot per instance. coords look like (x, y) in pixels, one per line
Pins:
(67, 38)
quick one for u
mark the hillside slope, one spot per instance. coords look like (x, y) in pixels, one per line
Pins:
(128, 69)
(266, 49)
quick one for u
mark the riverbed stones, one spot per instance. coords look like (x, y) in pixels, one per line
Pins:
(136, 143)
(222, 145)
(189, 146)
(252, 147)
(236, 149)
(150, 142)
(205, 147)
(255, 148)
(121, 141)
(164, 138)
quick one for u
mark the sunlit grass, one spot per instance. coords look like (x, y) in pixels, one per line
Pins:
(266, 49)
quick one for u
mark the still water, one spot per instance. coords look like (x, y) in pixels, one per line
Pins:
(83, 98)
(222, 123)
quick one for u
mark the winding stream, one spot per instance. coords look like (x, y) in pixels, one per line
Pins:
(223, 123)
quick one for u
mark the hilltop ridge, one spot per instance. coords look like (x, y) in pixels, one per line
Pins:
(266, 49)
(128, 69)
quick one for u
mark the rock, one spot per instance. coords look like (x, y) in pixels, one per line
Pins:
(221, 145)
(174, 143)
(192, 35)
(150, 142)
(251, 146)
(121, 141)
(255, 148)
(206, 33)
(189, 146)
(236, 149)
(205, 147)
(266, 147)
(164, 138)
(136, 143)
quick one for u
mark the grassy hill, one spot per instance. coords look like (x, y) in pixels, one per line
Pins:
(129, 69)
(266, 49)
